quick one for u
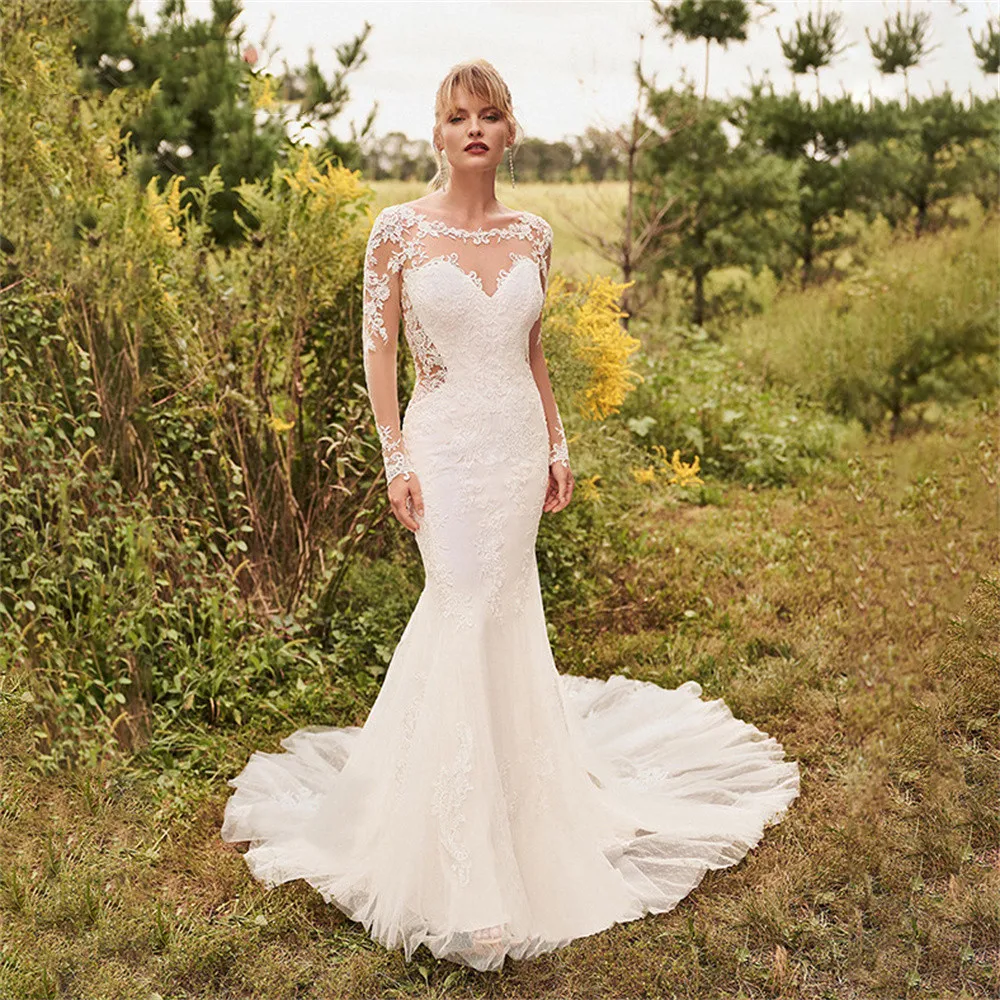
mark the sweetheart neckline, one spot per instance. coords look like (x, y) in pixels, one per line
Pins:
(501, 279)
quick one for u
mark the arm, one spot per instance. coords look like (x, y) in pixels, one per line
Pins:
(380, 329)
(558, 451)
(560, 488)
(384, 257)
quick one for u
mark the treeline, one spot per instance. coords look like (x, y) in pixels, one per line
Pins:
(763, 181)
(595, 156)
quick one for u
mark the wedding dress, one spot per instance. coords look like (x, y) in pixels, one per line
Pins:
(486, 789)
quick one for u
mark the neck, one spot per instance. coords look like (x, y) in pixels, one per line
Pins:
(470, 196)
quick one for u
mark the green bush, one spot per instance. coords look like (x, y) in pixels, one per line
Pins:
(915, 328)
(697, 397)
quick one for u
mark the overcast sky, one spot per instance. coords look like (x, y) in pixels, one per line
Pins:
(569, 63)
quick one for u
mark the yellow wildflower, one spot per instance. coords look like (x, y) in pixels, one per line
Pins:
(588, 488)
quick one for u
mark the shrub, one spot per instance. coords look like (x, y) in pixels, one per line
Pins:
(697, 396)
(917, 327)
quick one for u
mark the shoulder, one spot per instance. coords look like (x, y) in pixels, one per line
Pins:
(540, 229)
(390, 224)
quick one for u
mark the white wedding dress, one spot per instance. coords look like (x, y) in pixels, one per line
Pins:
(485, 788)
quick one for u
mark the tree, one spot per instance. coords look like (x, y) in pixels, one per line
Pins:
(901, 44)
(813, 44)
(642, 228)
(818, 139)
(207, 105)
(597, 153)
(917, 156)
(726, 206)
(721, 21)
(318, 101)
(987, 47)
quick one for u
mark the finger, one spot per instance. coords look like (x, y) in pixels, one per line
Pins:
(405, 517)
(418, 500)
(563, 492)
(551, 495)
(567, 492)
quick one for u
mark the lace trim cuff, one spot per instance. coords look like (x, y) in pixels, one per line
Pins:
(394, 456)
(559, 453)
(558, 450)
(395, 464)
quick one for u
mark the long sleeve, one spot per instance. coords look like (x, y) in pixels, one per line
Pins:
(558, 451)
(384, 257)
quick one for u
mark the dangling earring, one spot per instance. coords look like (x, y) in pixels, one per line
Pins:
(510, 160)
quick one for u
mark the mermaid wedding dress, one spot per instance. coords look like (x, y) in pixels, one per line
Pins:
(485, 788)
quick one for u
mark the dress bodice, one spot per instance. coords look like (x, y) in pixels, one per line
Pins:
(470, 301)
(469, 297)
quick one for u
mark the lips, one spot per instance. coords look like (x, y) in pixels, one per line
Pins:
(477, 146)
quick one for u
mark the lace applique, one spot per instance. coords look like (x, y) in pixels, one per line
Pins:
(427, 360)
(378, 342)
(450, 791)
(520, 582)
(532, 229)
(408, 726)
(387, 229)
(393, 454)
(558, 450)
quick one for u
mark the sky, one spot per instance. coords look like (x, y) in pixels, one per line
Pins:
(570, 63)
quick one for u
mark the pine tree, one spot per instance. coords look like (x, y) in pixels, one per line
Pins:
(724, 205)
(207, 103)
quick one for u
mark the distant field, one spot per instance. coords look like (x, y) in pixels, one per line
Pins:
(572, 210)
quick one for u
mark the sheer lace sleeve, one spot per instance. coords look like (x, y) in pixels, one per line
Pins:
(558, 451)
(380, 328)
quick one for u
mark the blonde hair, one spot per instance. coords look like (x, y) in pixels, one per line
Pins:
(480, 79)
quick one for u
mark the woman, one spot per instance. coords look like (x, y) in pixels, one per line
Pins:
(490, 805)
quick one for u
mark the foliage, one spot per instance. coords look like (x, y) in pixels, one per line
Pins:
(815, 140)
(117, 608)
(721, 206)
(208, 109)
(913, 327)
(913, 160)
(590, 348)
(696, 394)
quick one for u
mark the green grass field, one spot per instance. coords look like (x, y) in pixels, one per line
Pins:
(853, 613)
(855, 618)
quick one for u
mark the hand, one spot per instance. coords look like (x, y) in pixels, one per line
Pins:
(406, 500)
(560, 487)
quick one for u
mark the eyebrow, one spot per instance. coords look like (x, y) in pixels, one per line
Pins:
(487, 107)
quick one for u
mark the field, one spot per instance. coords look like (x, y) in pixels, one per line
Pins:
(851, 610)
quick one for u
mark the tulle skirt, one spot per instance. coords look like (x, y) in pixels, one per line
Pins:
(485, 788)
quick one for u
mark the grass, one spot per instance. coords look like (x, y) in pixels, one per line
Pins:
(856, 617)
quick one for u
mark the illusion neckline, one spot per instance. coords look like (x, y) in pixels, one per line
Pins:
(444, 226)
(477, 281)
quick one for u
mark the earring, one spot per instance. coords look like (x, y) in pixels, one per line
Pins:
(510, 160)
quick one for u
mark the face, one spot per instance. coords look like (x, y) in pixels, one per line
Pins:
(474, 121)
